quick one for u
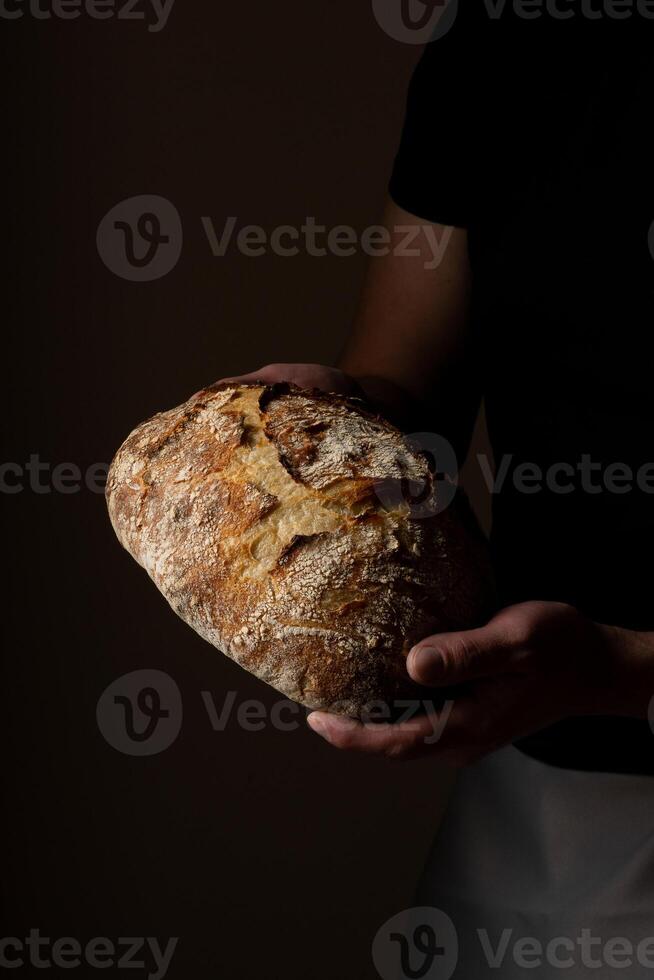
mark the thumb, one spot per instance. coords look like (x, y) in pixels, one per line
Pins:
(446, 659)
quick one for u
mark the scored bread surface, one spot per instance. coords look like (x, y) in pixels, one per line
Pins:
(258, 512)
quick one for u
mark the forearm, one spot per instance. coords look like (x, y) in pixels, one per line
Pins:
(393, 402)
(632, 687)
(410, 346)
(450, 408)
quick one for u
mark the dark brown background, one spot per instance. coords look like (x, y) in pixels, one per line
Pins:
(268, 854)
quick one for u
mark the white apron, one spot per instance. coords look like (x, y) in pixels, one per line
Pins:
(545, 873)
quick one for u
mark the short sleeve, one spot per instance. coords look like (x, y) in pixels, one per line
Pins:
(433, 170)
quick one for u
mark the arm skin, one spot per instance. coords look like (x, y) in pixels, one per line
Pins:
(410, 349)
(534, 663)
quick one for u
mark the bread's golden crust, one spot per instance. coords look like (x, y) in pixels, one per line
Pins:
(255, 509)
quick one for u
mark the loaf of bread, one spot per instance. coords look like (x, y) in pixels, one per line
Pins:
(278, 522)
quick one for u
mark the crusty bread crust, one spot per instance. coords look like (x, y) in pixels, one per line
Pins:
(257, 512)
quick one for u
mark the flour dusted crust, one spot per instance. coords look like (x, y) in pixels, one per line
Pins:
(258, 512)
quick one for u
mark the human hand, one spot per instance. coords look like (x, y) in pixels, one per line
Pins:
(533, 664)
(302, 375)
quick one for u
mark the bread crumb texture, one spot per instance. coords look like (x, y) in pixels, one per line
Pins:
(257, 513)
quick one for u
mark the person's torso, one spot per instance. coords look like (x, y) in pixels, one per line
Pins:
(562, 248)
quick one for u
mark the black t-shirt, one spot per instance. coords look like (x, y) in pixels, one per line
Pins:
(536, 135)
